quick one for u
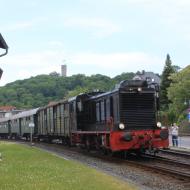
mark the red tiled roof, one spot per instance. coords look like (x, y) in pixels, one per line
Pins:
(51, 103)
(7, 108)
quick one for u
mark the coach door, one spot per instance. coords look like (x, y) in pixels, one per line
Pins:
(66, 120)
(72, 110)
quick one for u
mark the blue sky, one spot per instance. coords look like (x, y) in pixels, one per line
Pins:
(93, 36)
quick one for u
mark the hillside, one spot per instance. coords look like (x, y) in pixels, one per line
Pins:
(38, 91)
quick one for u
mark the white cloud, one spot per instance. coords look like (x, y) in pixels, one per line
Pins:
(56, 44)
(24, 66)
(20, 25)
(36, 59)
(115, 63)
(30, 64)
(22, 74)
(98, 27)
(182, 3)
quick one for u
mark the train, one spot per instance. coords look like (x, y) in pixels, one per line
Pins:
(125, 119)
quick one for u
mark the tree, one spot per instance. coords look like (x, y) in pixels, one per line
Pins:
(54, 74)
(165, 82)
(179, 92)
(38, 91)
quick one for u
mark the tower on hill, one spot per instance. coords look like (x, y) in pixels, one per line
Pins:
(63, 70)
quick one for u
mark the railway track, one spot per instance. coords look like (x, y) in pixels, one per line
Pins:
(171, 161)
(184, 154)
(154, 164)
(177, 169)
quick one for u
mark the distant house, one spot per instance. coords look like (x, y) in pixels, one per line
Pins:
(7, 111)
(150, 77)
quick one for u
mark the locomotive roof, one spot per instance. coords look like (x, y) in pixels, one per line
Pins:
(122, 85)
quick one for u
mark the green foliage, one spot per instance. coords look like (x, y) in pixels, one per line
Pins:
(171, 116)
(40, 90)
(166, 81)
(30, 168)
(179, 92)
(123, 76)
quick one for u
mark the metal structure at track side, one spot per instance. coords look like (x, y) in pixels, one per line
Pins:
(3, 45)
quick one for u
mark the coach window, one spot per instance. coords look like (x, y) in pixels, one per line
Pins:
(87, 112)
(102, 111)
(62, 109)
(66, 108)
(79, 106)
(116, 114)
(54, 112)
(111, 107)
(97, 111)
(45, 115)
(71, 107)
(107, 108)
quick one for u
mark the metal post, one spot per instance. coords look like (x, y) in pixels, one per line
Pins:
(31, 126)
(31, 136)
(3, 45)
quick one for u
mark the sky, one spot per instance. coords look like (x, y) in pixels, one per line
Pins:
(106, 37)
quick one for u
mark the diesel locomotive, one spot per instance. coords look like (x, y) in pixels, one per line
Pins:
(124, 119)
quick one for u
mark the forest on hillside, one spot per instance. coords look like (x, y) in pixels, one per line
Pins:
(40, 90)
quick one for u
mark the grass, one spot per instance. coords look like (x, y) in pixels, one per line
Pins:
(27, 168)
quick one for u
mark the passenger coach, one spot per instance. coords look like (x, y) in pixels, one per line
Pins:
(54, 122)
(17, 126)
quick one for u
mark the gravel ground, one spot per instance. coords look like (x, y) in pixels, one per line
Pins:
(145, 180)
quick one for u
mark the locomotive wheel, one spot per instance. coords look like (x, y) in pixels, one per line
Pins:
(105, 151)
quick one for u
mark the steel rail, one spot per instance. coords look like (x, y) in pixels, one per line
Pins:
(177, 152)
(168, 160)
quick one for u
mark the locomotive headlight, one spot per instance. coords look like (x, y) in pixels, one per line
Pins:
(159, 124)
(139, 89)
(121, 126)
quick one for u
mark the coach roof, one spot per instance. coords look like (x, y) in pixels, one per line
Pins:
(25, 113)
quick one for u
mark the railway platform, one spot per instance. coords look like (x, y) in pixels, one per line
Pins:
(183, 143)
